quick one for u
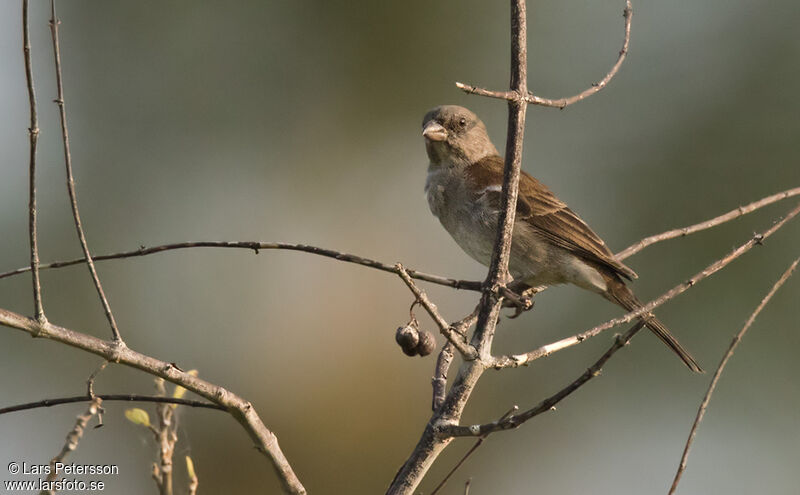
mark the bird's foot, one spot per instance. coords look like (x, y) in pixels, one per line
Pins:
(521, 302)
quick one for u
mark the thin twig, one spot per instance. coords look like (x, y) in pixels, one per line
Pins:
(54, 22)
(256, 247)
(244, 412)
(469, 453)
(33, 134)
(513, 361)
(73, 437)
(449, 332)
(110, 397)
(728, 354)
(515, 420)
(725, 217)
(564, 102)
(90, 380)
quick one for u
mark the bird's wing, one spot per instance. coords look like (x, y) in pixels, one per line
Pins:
(547, 214)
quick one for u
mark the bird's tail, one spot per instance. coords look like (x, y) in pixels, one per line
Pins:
(619, 293)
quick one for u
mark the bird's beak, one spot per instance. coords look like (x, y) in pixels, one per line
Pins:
(434, 131)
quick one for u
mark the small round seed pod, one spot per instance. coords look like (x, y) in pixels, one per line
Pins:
(408, 338)
(427, 343)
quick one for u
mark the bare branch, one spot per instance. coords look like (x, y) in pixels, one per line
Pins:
(73, 437)
(110, 397)
(33, 134)
(684, 231)
(439, 381)
(430, 444)
(475, 90)
(469, 453)
(563, 102)
(266, 441)
(513, 421)
(491, 301)
(595, 88)
(728, 354)
(71, 181)
(256, 247)
(512, 361)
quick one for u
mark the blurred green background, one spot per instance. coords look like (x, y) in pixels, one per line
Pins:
(300, 122)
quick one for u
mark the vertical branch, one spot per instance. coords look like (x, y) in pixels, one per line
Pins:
(432, 443)
(33, 133)
(71, 443)
(71, 181)
(498, 269)
(166, 436)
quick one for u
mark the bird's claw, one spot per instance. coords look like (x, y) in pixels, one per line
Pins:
(520, 303)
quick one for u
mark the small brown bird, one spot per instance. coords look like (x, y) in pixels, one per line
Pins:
(550, 244)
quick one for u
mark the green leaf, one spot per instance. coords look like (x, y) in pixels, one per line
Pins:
(138, 416)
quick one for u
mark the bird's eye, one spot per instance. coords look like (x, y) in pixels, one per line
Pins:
(462, 122)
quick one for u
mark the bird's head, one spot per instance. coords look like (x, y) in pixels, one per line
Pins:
(455, 136)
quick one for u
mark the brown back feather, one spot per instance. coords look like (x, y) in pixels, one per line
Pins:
(548, 215)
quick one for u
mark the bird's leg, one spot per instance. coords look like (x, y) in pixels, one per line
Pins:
(518, 295)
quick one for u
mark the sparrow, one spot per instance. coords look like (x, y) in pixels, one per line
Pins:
(550, 243)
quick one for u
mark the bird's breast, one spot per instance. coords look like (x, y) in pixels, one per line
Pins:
(460, 211)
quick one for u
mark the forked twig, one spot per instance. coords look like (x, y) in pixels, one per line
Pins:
(562, 103)
(515, 420)
(469, 453)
